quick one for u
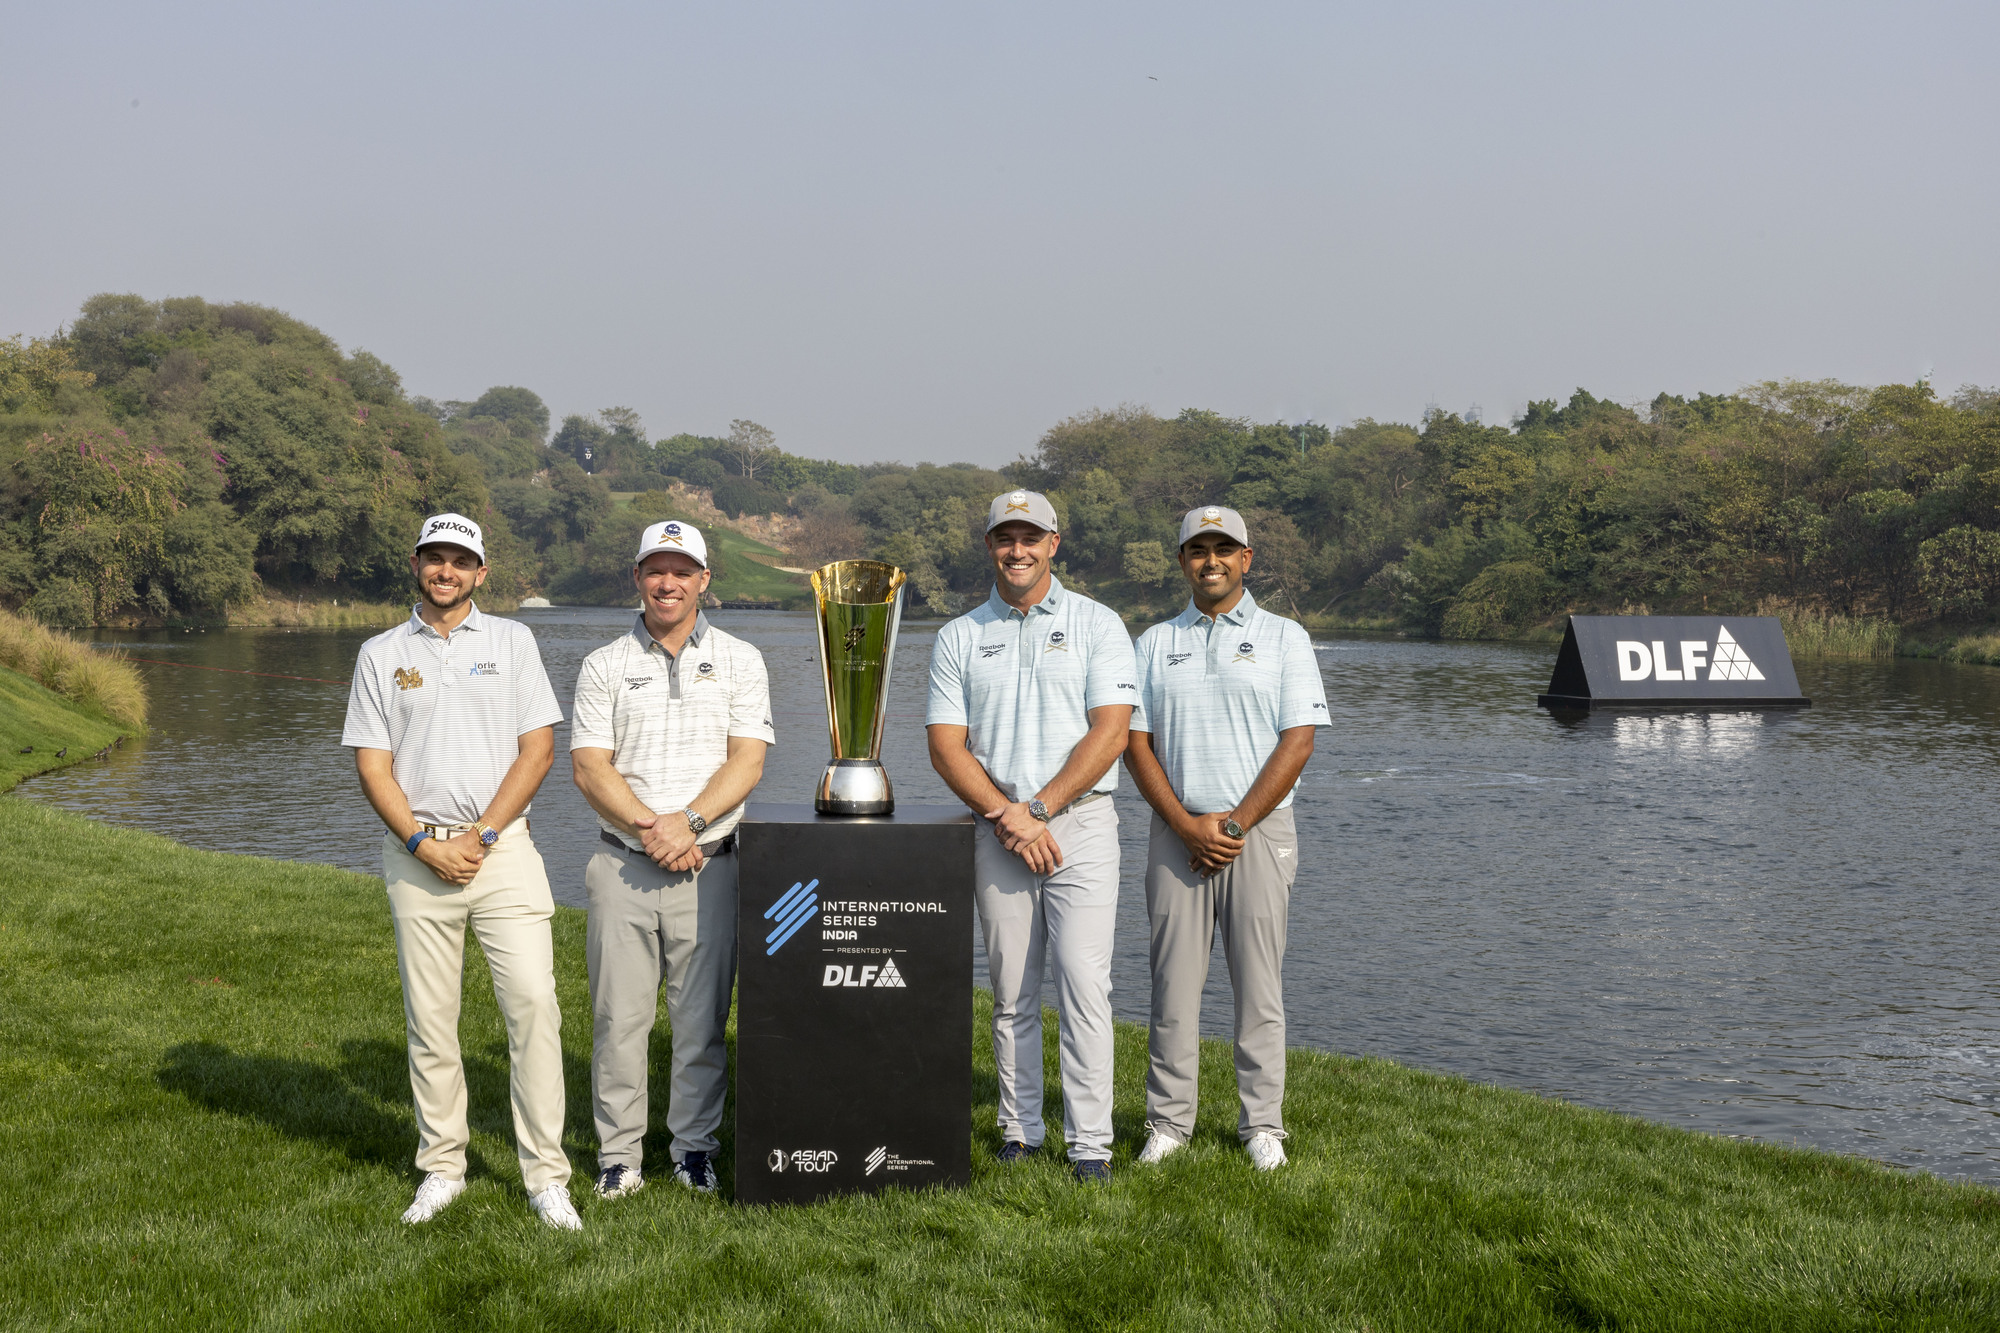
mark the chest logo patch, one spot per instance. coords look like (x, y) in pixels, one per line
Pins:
(992, 649)
(1175, 659)
(409, 678)
(706, 671)
(1057, 643)
(485, 669)
(1246, 652)
(638, 682)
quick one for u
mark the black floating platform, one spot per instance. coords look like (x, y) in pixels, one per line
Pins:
(1673, 662)
(853, 1002)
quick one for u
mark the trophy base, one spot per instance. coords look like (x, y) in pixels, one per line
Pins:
(854, 787)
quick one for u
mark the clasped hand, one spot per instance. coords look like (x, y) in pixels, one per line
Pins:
(1209, 849)
(455, 861)
(671, 843)
(1026, 836)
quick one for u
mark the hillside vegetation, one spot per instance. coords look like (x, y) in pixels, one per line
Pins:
(174, 459)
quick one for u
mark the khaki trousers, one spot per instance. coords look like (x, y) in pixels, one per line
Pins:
(1248, 904)
(649, 925)
(508, 907)
(1066, 920)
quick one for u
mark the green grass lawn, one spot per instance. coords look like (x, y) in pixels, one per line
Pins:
(42, 721)
(207, 1124)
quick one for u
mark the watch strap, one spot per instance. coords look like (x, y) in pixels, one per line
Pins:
(410, 844)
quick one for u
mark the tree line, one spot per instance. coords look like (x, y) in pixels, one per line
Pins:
(168, 460)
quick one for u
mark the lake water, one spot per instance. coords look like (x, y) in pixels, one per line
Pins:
(1775, 925)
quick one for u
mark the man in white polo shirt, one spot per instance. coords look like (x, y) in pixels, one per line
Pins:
(671, 723)
(1030, 694)
(452, 723)
(1229, 695)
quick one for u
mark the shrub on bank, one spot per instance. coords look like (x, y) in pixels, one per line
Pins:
(79, 673)
(1824, 634)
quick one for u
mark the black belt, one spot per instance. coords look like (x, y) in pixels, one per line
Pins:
(721, 846)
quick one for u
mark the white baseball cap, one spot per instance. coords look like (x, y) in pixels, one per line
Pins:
(1214, 518)
(1022, 507)
(673, 535)
(454, 529)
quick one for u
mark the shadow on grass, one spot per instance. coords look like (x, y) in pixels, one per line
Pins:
(342, 1108)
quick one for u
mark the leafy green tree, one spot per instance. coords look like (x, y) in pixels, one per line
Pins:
(1147, 564)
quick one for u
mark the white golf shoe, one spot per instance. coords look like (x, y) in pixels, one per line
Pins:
(1265, 1149)
(1159, 1146)
(432, 1197)
(553, 1206)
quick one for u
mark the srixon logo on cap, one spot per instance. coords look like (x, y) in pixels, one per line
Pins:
(446, 525)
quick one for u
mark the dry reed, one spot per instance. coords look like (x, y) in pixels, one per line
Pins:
(92, 678)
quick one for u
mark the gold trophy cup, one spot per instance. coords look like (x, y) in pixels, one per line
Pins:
(858, 606)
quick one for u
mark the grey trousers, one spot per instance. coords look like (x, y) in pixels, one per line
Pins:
(647, 925)
(1248, 903)
(1066, 918)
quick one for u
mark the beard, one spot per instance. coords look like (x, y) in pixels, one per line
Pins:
(465, 590)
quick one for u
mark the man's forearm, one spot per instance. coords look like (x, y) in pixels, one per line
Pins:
(731, 784)
(524, 778)
(606, 790)
(967, 778)
(1091, 758)
(378, 783)
(1277, 777)
(1151, 779)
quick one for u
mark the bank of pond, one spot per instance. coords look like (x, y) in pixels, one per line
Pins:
(203, 1089)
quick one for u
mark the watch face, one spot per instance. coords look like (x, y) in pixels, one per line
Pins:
(1232, 828)
(490, 837)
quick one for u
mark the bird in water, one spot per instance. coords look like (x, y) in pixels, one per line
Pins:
(118, 744)
(105, 753)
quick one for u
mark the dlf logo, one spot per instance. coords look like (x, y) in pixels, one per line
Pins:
(870, 975)
(1638, 661)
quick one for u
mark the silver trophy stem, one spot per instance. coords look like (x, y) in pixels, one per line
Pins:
(855, 787)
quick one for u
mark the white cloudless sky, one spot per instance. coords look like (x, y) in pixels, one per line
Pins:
(928, 232)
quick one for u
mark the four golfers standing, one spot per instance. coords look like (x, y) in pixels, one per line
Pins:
(1034, 696)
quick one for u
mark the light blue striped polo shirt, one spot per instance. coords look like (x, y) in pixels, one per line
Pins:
(1214, 694)
(1023, 686)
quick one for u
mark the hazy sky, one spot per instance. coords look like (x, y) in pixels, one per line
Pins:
(929, 231)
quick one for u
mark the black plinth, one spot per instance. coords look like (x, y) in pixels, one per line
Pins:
(853, 1002)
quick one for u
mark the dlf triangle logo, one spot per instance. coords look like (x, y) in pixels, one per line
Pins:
(890, 976)
(1730, 661)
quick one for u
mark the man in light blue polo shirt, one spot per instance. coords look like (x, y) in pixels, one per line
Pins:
(1030, 696)
(1229, 695)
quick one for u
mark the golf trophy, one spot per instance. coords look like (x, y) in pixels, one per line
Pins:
(857, 606)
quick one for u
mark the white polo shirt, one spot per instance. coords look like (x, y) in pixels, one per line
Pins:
(1215, 693)
(667, 720)
(451, 711)
(1023, 686)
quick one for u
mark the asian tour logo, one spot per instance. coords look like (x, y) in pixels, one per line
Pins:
(1641, 661)
(814, 1161)
(796, 907)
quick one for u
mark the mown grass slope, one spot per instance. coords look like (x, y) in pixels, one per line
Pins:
(42, 722)
(204, 1101)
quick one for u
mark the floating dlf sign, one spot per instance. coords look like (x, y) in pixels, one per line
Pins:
(1660, 661)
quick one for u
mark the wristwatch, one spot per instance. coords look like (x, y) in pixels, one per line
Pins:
(488, 835)
(1232, 828)
(1036, 810)
(696, 824)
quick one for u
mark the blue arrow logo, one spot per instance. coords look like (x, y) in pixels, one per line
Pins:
(790, 912)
